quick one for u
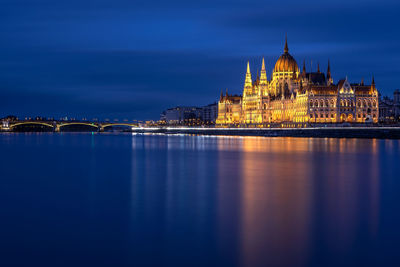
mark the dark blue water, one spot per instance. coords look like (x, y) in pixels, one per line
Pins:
(154, 200)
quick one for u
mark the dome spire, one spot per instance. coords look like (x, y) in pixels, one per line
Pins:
(286, 49)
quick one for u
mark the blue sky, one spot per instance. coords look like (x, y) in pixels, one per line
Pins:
(132, 59)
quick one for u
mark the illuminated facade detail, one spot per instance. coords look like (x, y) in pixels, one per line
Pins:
(229, 109)
(291, 96)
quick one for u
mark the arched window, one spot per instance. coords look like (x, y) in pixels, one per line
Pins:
(364, 104)
(332, 103)
(374, 104)
(369, 104)
(359, 103)
(326, 103)
(311, 103)
(341, 103)
(286, 88)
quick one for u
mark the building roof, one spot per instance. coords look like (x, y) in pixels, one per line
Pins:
(317, 78)
(286, 63)
(323, 89)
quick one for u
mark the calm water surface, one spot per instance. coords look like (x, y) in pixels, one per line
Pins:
(155, 200)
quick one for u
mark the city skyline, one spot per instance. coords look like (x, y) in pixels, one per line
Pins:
(133, 61)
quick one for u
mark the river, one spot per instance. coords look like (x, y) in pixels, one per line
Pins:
(123, 199)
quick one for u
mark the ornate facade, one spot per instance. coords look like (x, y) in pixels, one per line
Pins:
(297, 98)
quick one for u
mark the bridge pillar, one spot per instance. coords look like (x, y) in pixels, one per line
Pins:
(57, 128)
(101, 128)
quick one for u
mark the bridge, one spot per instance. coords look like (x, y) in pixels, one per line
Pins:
(59, 126)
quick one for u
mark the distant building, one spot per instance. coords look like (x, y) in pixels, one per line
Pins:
(182, 115)
(9, 118)
(389, 109)
(297, 97)
(209, 113)
(191, 116)
(396, 97)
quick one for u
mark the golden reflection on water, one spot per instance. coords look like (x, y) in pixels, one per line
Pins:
(266, 178)
(284, 183)
(269, 194)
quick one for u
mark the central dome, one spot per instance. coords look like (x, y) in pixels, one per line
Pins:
(286, 63)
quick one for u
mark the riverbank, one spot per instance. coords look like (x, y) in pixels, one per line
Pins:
(328, 132)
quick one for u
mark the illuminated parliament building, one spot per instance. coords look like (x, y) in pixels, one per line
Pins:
(297, 98)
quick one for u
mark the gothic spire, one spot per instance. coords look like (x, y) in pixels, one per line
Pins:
(373, 83)
(304, 66)
(263, 74)
(258, 76)
(318, 68)
(248, 81)
(328, 72)
(263, 65)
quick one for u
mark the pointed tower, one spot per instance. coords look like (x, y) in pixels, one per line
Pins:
(318, 68)
(304, 66)
(286, 49)
(373, 88)
(221, 96)
(248, 82)
(328, 74)
(263, 74)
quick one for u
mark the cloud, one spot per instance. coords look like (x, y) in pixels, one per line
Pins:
(135, 59)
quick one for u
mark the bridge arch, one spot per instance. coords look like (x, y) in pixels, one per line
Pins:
(78, 123)
(11, 126)
(118, 124)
